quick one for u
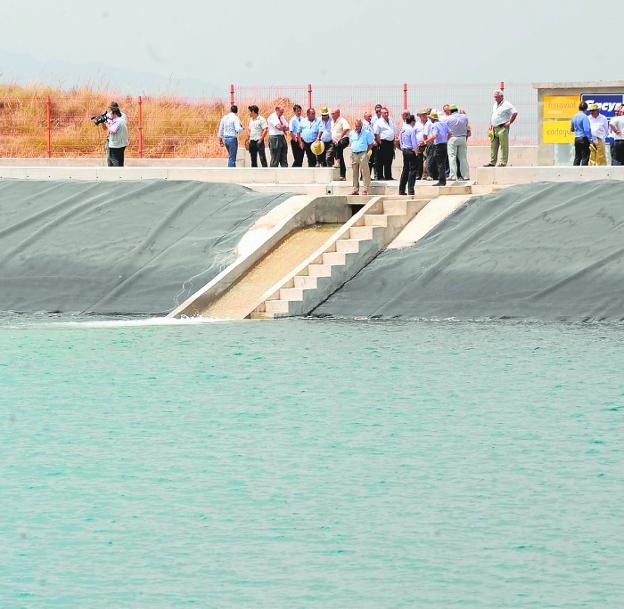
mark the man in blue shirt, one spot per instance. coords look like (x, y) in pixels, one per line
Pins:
(582, 135)
(361, 141)
(310, 132)
(229, 129)
(439, 136)
(295, 144)
(409, 147)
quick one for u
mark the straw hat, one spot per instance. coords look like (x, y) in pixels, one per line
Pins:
(317, 147)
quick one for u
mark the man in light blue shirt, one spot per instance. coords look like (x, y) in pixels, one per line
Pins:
(409, 145)
(310, 133)
(582, 135)
(326, 134)
(439, 136)
(361, 141)
(457, 144)
(229, 129)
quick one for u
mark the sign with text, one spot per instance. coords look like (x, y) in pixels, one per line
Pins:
(560, 106)
(557, 131)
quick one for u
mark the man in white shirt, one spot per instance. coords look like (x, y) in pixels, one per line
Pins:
(421, 127)
(503, 116)
(340, 140)
(258, 128)
(117, 140)
(229, 129)
(600, 131)
(278, 128)
(617, 133)
(372, 161)
(385, 132)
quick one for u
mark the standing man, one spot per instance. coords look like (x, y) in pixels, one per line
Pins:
(340, 140)
(258, 129)
(310, 133)
(503, 116)
(278, 127)
(617, 133)
(117, 139)
(326, 135)
(295, 140)
(361, 142)
(366, 121)
(409, 146)
(457, 146)
(385, 131)
(582, 135)
(421, 128)
(372, 161)
(439, 137)
(599, 126)
(229, 129)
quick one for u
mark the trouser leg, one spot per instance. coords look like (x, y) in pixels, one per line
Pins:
(365, 171)
(601, 156)
(340, 147)
(578, 151)
(378, 162)
(452, 156)
(494, 147)
(419, 164)
(355, 168)
(411, 176)
(618, 151)
(441, 157)
(504, 144)
(253, 152)
(273, 149)
(262, 154)
(387, 153)
(404, 173)
(116, 157)
(283, 152)
(462, 158)
(231, 145)
(309, 154)
(297, 153)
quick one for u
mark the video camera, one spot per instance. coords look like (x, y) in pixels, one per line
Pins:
(102, 118)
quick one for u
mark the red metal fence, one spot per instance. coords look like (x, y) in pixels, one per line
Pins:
(60, 125)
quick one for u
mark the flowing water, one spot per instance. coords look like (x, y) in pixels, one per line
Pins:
(310, 464)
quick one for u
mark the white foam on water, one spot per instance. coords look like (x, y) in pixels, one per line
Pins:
(130, 323)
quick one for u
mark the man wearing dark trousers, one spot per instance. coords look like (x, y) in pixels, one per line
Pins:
(295, 141)
(385, 132)
(258, 129)
(372, 161)
(582, 135)
(439, 137)
(340, 139)
(409, 146)
(310, 133)
(117, 140)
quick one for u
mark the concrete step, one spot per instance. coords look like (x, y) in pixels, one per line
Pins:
(276, 306)
(261, 315)
(306, 282)
(376, 220)
(365, 232)
(292, 294)
(334, 258)
(319, 270)
(348, 246)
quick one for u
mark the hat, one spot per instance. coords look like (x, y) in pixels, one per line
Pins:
(318, 147)
(325, 111)
(594, 108)
(434, 115)
(453, 108)
(422, 111)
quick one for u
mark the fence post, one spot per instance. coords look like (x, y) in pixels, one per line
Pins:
(231, 95)
(49, 124)
(404, 96)
(140, 126)
(309, 95)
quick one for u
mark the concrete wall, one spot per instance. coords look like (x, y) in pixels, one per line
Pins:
(487, 176)
(551, 154)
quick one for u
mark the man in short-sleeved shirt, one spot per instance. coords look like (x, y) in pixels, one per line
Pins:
(599, 126)
(617, 133)
(278, 127)
(258, 128)
(503, 116)
(310, 133)
(295, 141)
(340, 140)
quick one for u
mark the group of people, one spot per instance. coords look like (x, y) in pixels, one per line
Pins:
(591, 133)
(433, 144)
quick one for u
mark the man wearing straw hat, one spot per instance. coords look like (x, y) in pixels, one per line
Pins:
(439, 137)
(600, 131)
(326, 135)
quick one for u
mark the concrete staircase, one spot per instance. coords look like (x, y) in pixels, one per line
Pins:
(353, 247)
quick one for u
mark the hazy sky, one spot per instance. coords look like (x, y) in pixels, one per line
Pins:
(205, 45)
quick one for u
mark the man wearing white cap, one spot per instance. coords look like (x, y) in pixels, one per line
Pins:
(599, 126)
(503, 116)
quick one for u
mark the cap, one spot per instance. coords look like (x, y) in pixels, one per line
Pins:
(325, 111)
(594, 108)
(422, 111)
(453, 108)
(434, 115)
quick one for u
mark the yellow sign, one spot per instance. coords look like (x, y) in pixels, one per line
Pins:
(557, 132)
(560, 106)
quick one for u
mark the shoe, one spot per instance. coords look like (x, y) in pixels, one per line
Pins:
(365, 192)
(341, 179)
(355, 192)
(440, 184)
(502, 165)
(490, 165)
(402, 194)
(411, 194)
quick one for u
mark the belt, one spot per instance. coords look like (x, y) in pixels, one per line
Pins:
(406, 149)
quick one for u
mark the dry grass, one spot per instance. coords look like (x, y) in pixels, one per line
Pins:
(171, 126)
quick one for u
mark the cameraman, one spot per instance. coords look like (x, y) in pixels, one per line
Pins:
(117, 140)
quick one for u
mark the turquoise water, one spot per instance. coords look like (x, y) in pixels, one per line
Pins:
(311, 464)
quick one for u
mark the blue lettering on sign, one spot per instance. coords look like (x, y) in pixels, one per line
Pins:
(608, 103)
